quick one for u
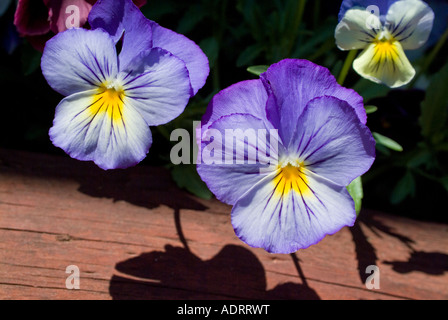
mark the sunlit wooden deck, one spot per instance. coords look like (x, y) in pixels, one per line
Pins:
(134, 235)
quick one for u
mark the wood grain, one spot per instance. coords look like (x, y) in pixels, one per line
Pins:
(135, 235)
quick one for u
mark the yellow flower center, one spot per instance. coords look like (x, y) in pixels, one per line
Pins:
(110, 99)
(291, 177)
(385, 48)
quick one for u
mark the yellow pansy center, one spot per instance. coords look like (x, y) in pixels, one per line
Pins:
(291, 177)
(110, 99)
(385, 48)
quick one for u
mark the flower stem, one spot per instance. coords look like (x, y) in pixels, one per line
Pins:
(346, 67)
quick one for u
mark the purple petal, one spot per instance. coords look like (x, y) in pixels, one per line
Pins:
(156, 83)
(236, 151)
(332, 142)
(77, 60)
(123, 18)
(186, 50)
(296, 82)
(244, 97)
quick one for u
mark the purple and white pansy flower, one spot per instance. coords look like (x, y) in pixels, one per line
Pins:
(112, 99)
(383, 30)
(321, 143)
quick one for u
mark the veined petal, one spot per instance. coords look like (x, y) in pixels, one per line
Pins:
(157, 85)
(248, 96)
(289, 221)
(98, 125)
(410, 22)
(237, 151)
(357, 29)
(122, 18)
(296, 82)
(184, 49)
(78, 60)
(331, 141)
(385, 62)
(245, 97)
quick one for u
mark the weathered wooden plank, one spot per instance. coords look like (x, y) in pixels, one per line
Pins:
(134, 235)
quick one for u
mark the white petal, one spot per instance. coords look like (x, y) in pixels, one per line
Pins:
(283, 219)
(385, 63)
(410, 22)
(78, 60)
(158, 84)
(90, 129)
(357, 29)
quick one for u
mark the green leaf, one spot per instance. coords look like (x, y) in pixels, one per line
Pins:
(371, 109)
(444, 182)
(434, 108)
(356, 191)
(257, 70)
(192, 17)
(422, 157)
(369, 90)
(319, 36)
(156, 10)
(210, 46)
(382, 149)
(186, 177)
(404, 188)
(248, 55)
(387, 142)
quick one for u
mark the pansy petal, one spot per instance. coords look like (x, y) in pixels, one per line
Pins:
(385, 62)
(357, 29)
(410, 22)
(237, 151)
(31, 18)
(157, 85)
(266, 217)
(79, 60)
(186, 50)
(123, 18)
(108, 15)
(90, 128)
(331, 142)
(296, 82)
(248, 96)
(379, 6)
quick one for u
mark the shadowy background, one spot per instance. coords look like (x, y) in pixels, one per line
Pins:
(410, 175)
(176, 273)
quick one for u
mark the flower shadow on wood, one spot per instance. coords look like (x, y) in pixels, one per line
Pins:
(142, 186)
(176, 273)
(434, 263)
(365, 251)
